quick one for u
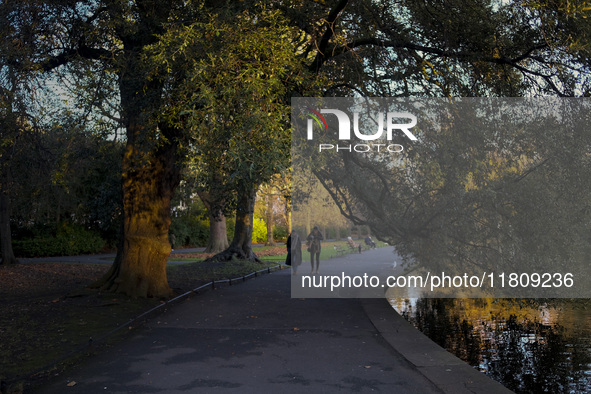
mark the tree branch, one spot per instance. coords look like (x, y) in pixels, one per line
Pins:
(328, 34)
(69, 54)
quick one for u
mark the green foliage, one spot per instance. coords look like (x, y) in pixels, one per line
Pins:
(70, 240)
(259, 231)
(238, 71)
(69, 174)
(280, 233)
(189, 230)
(189, 222)
(231, 226)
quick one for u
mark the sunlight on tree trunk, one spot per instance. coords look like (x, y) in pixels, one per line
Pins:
(149, 181)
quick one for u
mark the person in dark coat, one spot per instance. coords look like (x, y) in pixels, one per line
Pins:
(294, 252)
(370, 242)
(315, 247)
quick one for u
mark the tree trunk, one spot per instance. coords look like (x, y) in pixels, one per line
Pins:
(288, 217)
(241, 246)
(270, 220)
(5, 234)
(115, 267)
(148, 187)
(150, 177)
(149, 171)
(218, 235)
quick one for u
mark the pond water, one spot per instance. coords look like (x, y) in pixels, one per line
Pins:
(530, 346)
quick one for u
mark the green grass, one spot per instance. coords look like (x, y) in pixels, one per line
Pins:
(274, 259)
(198, 272)
(256, 249)
(328, 251)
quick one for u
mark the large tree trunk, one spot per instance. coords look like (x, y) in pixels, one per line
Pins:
(241, 246)
(150, 177)
(218, 235)
(5, 235)
(150, 172)
(148, 187)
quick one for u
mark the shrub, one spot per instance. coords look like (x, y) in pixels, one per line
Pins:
(259, 231)
(69, 240)
(280, 233)
(189, 230)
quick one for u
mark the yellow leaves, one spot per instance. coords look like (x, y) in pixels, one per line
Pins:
(470, 183)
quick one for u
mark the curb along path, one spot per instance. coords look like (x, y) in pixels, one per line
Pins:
(446, 371)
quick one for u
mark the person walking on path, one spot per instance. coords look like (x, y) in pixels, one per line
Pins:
(294, 252)
(314, 247)
(172, 239)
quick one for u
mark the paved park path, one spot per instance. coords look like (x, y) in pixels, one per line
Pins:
(254, 338)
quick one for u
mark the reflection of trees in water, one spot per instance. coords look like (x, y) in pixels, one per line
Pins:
(516, 342)
(529, 357)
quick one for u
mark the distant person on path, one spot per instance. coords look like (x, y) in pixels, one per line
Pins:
(172, 241)
(294, 252)
(314, 247)
(370, 242)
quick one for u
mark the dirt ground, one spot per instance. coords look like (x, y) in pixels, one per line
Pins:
(47, 312)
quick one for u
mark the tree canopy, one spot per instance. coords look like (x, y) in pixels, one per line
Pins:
(211, 81)
(468, 195)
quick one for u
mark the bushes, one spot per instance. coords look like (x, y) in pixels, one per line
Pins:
(68, 241)
(280, 233)
(259, 231)
(71, 240)
(189, 231)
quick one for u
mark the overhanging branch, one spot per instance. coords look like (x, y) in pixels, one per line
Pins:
(70, 54)
(328, 34)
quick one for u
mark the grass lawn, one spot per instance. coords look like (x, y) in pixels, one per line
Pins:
(278, 254)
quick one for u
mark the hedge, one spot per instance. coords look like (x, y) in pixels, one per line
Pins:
(70, 243)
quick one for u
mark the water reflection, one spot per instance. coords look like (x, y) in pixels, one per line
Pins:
(530, 346)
